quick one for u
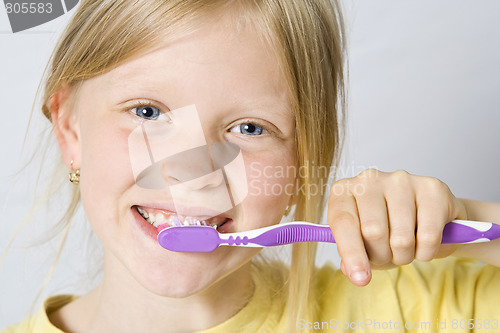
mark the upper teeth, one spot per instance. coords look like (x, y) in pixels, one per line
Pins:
(172, 220)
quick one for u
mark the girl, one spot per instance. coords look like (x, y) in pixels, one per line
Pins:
(265, 77)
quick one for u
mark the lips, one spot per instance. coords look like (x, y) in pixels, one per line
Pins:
(167, 218)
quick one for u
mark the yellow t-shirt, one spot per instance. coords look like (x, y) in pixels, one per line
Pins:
(448, 295)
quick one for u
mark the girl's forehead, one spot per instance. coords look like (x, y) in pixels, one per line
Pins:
(208, 36)
(209, 43)
(210, 60)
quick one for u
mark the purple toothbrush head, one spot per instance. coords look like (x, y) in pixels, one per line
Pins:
(200, 239)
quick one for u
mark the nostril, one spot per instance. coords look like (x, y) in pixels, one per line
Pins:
(170, 180)
(211, 180)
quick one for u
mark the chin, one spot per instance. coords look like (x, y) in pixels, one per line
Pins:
(180, 275)
(177, 277)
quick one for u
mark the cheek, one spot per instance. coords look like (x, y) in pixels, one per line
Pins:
(105, 169)
(106, 156)
(271, 184)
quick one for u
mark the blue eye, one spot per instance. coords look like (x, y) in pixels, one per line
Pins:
(149, 112)
(248, 129)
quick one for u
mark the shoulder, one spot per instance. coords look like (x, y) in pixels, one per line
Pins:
(40, 321)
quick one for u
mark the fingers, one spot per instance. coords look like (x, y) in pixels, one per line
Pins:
(402, 219)
(342, 210)
(372, 209)
(383, 219)
(432, 214)
(387, 218)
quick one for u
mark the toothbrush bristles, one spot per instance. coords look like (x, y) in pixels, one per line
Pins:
(178, 221)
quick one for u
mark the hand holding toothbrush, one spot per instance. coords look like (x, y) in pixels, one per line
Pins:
(381, 220)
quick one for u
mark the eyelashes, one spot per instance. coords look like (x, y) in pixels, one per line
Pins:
(148, 111)
(248, 128)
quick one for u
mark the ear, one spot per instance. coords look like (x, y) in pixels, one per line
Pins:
(66, 126)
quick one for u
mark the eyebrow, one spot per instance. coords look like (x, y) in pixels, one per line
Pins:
(280, 109)
(155, 90)
(122, 91)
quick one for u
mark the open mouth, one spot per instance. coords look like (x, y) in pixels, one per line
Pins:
(158, 217)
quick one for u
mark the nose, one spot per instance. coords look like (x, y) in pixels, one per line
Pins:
(189, 166)
(197, 168)
(194, 169)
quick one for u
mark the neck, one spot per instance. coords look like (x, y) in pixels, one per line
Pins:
(121, 304)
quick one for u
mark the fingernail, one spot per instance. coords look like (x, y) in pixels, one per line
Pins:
(359, 276)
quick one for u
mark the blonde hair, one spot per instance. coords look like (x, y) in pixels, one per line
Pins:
(308, 39)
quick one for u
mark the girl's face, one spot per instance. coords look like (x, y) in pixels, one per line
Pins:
(234, 88)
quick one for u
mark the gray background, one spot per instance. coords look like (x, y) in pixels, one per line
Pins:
(24, 17)
(424, 81)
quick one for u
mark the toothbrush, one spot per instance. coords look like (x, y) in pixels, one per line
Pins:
(207, 239)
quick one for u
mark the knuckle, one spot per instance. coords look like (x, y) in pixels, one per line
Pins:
(341, 182)
(343, 217)
(429, 239)
(373, 231)
(347, 186)
(399, 242)
(435, 185)
(401, 173)
(370, 173)
(401, 176)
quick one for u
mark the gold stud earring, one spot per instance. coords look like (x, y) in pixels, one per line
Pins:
(74, 175)
(290, 205)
